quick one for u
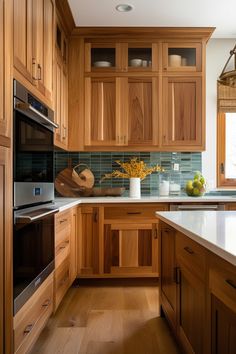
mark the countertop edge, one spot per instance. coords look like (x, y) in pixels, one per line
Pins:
(195, 237)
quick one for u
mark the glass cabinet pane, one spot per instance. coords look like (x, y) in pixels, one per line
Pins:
(103, 57)
(181, 57)
(139, 57)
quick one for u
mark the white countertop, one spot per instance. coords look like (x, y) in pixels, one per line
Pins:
(65, 203)
(215, 230)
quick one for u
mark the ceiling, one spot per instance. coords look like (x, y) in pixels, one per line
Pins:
(159, 13)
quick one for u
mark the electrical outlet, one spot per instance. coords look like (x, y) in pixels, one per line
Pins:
(176, 167)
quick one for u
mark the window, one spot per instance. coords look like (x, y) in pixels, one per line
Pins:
(226, 161)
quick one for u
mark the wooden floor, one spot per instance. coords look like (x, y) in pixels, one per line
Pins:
(108, 317)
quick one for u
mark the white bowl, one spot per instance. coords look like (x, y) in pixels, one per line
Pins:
(136, 62)
(101, 64)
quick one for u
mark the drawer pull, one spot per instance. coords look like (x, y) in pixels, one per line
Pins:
(46, 303)
(177, 275)
(28, 328)
(134, 212)
(189, 250)
(231, 283)
(155, 234)
(62, 221)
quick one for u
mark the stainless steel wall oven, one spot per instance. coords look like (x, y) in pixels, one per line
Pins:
(33, 234)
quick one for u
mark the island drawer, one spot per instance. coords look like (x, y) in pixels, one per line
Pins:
(191, 254)
(222, 280)
(133, 211)
(62, 281)
(62, 221)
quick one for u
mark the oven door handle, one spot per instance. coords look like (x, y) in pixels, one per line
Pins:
(27, 108)
(27, 219)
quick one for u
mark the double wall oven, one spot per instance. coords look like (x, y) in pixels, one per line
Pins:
(33, 235)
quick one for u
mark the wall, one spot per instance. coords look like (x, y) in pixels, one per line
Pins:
(216, 56)
(104, 162)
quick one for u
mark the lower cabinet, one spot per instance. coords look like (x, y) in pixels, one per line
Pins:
(222, 303)
(130, 249)
(65, 253)
(197, 295)
(32, 317)
(88, 241)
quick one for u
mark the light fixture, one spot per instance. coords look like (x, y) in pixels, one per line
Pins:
(124, 7)
(228, 77)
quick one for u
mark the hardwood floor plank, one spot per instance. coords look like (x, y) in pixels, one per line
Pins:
(108, 317)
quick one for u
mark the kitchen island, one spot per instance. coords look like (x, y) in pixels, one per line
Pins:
(197, 268)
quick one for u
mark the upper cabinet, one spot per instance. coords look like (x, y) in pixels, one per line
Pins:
(34, 23)
(139, 90)
(182, 57)
(5, 71)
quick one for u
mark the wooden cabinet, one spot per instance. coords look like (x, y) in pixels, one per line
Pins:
(5, 71)
(65, 253)
(197, 294)
(169, 275)
(32, 317)
(61, 88)
(182, 113)
(34, 24)
(182, 57)
(121, 111)
(143, 91)
(6, 296)
(89, 241)
(222, 286)
(131, 240)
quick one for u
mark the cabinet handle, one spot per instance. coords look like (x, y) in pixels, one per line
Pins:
(95, 217)
(65, 132)
(39, 72)
(34, 75)
(231, 283)
(62, 221)
(46, 303)
(189, 250)
(134, 212)
(155, 233)
(177, 275)
(28, 328)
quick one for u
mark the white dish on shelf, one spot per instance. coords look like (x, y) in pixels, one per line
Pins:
(101, 64)
(136, 62)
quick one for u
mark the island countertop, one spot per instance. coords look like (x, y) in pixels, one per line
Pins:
(215, 230)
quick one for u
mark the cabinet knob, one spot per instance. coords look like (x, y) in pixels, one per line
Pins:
(28, 328)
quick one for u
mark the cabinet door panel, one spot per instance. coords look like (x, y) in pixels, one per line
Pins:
(140, 112)
(223, 328)
(23, 26)
(191, 312)
(100, 103)
(182, 112)
(128, 249)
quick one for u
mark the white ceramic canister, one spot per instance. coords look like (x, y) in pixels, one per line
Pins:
(164, 188)
(134, 187)
(174, 60)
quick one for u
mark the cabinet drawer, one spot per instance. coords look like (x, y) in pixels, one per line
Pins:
(133, 211)
(30, 320)
(62, 251)
(222, 281)
(62, 281)
(191, 254)
(62, 221)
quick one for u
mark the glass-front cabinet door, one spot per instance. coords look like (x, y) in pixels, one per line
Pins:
(101, 57)
(142, 57)
(182, 113)
(182, 57)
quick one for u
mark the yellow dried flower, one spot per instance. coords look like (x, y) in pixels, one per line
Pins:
(133, 168)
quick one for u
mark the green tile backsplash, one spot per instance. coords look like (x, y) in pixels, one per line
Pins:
(104, 162)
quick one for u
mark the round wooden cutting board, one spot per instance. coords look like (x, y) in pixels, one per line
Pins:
(65, 185)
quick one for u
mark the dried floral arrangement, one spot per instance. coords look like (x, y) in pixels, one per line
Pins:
(133, 168)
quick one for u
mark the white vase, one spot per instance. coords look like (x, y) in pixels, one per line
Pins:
(134, 187)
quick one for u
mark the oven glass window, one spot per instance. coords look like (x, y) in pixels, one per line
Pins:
(33, 151)
(33, 251)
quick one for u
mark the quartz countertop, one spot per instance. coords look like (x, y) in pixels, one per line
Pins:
(65, 203)
(215, 230)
